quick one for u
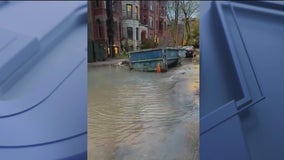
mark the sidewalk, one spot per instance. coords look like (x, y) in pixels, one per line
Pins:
(107, 62)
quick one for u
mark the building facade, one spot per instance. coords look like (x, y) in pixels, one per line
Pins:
(133, 22)
(116, 8)
(99, 23)
(130, 24)
(153, 16)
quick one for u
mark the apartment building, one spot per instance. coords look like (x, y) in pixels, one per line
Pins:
(133, 21)
(153, 16)
(130, 23)
(99, 23)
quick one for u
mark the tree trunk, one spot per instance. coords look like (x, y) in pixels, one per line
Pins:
(187, 31)
(176, 21)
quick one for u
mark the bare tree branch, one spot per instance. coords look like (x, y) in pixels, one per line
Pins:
(181, 11)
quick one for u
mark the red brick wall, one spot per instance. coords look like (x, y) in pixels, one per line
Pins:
(117, 19)
(157, 17)
(100, 13)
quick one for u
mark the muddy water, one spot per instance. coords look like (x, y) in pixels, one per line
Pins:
(137, 115)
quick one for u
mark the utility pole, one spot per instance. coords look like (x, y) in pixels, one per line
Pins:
(110, 33)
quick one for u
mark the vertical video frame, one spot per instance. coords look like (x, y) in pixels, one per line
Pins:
(143, 80)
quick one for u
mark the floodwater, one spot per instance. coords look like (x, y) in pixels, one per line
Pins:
(143, 116)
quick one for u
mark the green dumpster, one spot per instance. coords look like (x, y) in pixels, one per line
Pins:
(100, 51)
(91, 55)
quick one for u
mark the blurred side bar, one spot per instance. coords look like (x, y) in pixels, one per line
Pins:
(43, 80)
(241, 80)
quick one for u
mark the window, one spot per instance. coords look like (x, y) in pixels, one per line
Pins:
(129, 10)
(151, 23)
(157, 24)
(151, 5)
(144, 4)
(99, 28)
(144, 20)
(143, 35)
(97, 3)
(136, 12)
(137, 33)
(162, 11)
(113, 6)
(161, 25)
(129, 32)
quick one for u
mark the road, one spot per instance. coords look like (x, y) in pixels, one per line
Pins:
(139, 115)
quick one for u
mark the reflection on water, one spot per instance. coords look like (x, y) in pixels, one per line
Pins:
(132, 115)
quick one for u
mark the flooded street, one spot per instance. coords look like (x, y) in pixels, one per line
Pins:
(141, 115)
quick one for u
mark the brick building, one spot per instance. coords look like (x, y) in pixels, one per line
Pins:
(133, 20)
(99, 22)
(130, 23)
(153, 16)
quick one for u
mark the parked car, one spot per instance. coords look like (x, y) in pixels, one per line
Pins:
(182, 53)
(189, 50)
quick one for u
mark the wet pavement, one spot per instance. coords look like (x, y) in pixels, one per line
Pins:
(108, 62)
(143, 116)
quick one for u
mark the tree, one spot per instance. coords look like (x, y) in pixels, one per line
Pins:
(167, 40)
(147, 44)
(181, 11)
(189, 10)
(195, 33)
(173, 16)
(126, 45)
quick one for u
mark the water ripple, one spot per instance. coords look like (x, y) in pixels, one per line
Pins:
(123, 105)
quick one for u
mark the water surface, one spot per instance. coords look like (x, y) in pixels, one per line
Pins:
(140, 115)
